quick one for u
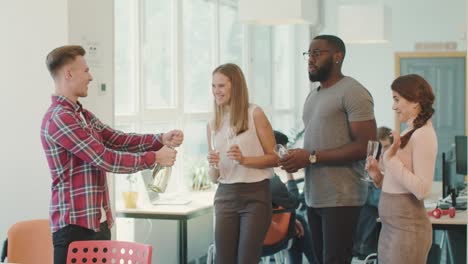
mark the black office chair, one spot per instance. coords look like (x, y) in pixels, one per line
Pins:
(4, 250)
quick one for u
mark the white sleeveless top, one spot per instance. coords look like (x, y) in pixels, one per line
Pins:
(250, 146)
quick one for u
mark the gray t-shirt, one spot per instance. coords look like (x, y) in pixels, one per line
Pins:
(327, 116)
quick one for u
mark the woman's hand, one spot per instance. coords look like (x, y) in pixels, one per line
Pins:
(373, 168)
(391, 152)
(235, 153)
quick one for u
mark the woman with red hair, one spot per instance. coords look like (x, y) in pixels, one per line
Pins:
(409, 165)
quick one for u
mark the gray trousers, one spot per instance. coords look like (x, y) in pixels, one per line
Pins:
(242, 218)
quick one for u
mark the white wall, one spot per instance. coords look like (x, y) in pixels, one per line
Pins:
(91, 25)
(412, 21)
(29, 30)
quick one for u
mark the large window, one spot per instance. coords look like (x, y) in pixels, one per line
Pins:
(157, 55)
(165, 53)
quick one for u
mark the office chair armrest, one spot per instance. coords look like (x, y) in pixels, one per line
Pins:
(281, 210)
(4, 250)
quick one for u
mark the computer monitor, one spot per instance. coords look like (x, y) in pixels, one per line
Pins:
(445, 183)
(452, 169)
(460, 154)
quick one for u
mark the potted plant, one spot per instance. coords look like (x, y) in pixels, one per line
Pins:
(200, 179)
(131, 196)
(197, 178)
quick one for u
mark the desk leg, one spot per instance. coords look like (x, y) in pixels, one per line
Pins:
(183, 241)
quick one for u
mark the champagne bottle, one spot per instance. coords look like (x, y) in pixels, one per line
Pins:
(161, 175)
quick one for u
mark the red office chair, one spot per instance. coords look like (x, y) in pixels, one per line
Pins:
(108, 251)
(280, 234)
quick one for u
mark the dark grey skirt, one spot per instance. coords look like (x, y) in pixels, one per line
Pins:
(406, 234)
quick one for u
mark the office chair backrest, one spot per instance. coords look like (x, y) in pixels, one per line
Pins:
(280, 233)
(30, 242)
(280, 226)
(108, 251)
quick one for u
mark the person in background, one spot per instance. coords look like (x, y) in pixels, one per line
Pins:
(409, 166)
(241, 161)
(339, 121)
(384, 135)
(80, 149)
(367, 231)
(289, 198)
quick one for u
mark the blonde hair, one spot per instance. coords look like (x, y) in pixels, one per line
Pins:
(239, 101)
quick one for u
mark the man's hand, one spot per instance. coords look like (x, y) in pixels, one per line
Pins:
(295, 160)
(166, 156)
(173, 138)
(299, 229)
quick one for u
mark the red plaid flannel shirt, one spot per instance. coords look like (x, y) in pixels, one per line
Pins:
(79, 154)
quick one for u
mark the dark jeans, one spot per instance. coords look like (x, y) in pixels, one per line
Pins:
(367, 232)
(64, 236)
(302, 244)
(332, 230)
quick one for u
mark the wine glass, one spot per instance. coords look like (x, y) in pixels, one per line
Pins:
(280, 150)
(232, 140)
(213, 146)
(372, 150)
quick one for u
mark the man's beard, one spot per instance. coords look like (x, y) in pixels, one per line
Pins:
(322, 73)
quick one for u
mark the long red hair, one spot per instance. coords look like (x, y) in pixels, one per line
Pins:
(415, 89)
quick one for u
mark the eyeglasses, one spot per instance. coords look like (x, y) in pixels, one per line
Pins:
(314, 53)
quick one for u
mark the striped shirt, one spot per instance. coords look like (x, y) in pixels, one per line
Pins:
(79, 153)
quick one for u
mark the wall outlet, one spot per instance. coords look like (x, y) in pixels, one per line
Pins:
(102, 88)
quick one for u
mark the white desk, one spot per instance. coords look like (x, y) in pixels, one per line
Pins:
(455, 225)
(201, 204)
(461, 217)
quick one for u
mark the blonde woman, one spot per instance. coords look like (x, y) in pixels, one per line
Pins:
(409, 165)
(240, 161)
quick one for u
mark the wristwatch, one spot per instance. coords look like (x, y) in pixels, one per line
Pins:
(312, 157)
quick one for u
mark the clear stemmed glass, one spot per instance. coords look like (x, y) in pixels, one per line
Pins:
(372, 150)
(213, 146)
(232, 140)
(280, 150)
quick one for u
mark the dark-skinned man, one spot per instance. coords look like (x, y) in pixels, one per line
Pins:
(338, 120)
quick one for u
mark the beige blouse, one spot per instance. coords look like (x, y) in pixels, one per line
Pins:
(411, 170)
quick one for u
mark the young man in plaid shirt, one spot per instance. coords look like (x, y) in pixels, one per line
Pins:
(80, 149)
